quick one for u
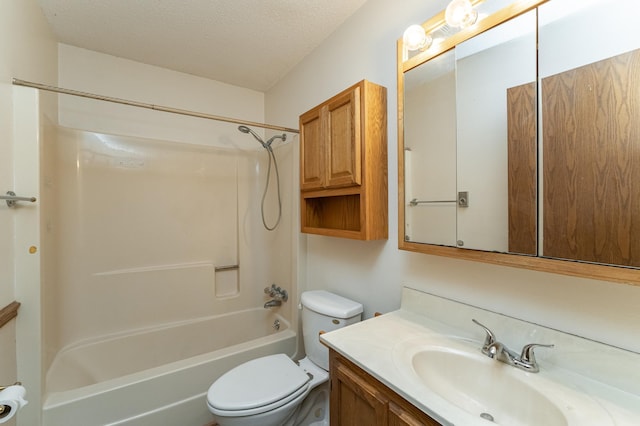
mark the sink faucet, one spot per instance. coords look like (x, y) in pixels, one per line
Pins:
(495, 350)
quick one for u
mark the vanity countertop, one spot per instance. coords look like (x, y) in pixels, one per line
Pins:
(378, 346)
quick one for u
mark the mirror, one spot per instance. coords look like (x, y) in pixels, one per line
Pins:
(430, 151)
(507, 150)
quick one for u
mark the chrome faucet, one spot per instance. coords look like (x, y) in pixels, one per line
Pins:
(495, 350)
(277, 294)
(271, 303)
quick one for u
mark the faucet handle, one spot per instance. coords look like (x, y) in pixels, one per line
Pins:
(272, 291)
(490, 337)
(281, 294)
(528, 356)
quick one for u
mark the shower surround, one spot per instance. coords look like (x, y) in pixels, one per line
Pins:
(141, 226)
(136, 209)
(142, 238)
(151, 239)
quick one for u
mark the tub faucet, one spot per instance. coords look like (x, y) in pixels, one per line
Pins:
(278, 296)
(495, 350)
(271, 303)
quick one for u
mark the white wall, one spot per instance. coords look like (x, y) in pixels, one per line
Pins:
(373, 272)
(89, 71)
(27, 51)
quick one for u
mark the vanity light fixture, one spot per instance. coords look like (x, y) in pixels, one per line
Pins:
(460, 14)
(415, 38)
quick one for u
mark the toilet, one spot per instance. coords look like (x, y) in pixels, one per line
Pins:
(277, 391)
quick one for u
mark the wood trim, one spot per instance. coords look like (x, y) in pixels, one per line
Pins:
(353, 190)
(374, 200)
(564, 267)
(8, 313)
(401, 172)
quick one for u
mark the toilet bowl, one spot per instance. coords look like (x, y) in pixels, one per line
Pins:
(269, 391)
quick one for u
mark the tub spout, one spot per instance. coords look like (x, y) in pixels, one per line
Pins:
(272, 303)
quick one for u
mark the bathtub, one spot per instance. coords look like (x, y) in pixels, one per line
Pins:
(157, 376)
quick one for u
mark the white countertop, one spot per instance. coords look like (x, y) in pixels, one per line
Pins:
(381, 347)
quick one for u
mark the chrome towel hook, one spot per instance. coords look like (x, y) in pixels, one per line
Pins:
(11, 198)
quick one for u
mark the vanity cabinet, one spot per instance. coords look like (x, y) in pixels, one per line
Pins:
(359, 399)
(343, 165)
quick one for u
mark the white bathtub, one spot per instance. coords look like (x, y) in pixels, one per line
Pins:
(157, 376)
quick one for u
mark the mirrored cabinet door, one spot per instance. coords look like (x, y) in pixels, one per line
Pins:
(430, 151)
(466, 169)
(493, 71)
(590, 105)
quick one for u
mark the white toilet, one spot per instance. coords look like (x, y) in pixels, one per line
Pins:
(270, 391)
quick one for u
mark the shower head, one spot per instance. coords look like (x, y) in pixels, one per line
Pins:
(245, 129)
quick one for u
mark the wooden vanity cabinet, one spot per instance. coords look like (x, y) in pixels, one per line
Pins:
(358, 399)
(343, 165)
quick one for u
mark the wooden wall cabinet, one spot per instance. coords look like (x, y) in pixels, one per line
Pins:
(359, 399)
(343, 165)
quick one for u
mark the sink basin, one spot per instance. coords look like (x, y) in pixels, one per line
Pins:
(485, 388)
(456, 381)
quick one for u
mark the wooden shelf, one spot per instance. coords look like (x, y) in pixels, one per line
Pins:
(337, 212)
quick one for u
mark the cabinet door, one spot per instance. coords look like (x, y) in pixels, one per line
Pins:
(399, 416)
(312, 151)
(354, 401)
(344, 140)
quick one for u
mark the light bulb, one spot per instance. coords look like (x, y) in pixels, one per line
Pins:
(460, 13)
(415, 38)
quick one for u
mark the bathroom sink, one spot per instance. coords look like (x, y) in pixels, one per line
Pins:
(485, 388)
(453, 375)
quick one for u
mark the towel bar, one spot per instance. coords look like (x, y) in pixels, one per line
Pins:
(12, 198)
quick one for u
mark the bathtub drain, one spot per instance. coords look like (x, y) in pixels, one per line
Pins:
(487, 416)
(276, 324)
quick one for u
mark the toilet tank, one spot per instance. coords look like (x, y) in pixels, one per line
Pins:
(325, 311)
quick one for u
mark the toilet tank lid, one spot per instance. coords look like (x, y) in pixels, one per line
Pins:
(330, 304)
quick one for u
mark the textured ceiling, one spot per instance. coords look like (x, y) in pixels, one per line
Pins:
(247, 43)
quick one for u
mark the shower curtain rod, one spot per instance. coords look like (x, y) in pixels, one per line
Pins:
(18, 82)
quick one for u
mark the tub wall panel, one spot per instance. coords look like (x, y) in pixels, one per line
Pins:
(142, 225)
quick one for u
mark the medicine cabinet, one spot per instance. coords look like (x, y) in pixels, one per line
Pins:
(519, 138)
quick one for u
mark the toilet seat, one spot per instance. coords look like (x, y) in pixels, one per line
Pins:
(258, 386)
